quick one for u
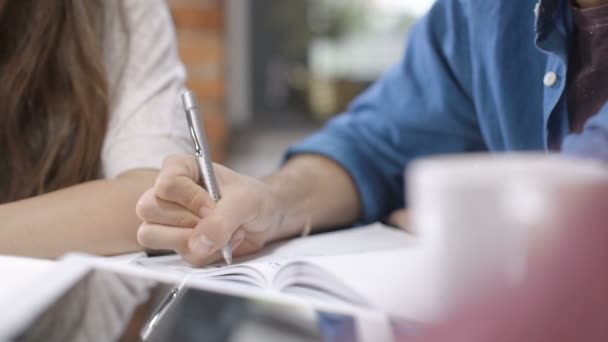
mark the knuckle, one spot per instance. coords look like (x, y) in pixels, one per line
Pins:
(191, 169)
(165, 186)
(180, 165)
(145, 206)
(195, 200)
(186, 221)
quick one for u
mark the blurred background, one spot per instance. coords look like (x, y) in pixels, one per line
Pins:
(270, 72)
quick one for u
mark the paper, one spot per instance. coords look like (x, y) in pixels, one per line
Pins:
(363, 266)
(376, 237)
(393, 281)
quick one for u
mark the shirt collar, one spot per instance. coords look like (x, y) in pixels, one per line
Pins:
(553, 19)
(547, 12)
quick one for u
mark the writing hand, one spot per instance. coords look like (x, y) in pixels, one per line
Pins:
(179, 215)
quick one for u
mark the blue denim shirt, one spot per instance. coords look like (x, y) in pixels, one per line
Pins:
(476, 76)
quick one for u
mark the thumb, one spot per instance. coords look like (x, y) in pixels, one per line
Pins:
(212, 234)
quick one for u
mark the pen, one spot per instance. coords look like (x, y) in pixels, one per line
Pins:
(167, 303)
(203, 157)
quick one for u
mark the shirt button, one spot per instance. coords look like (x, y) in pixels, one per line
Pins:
(550, 79)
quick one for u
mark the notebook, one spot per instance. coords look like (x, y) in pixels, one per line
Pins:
(370, 267)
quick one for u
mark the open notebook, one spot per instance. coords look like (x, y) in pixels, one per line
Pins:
(365, 266)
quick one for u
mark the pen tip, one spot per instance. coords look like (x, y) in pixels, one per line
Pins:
(227, 256)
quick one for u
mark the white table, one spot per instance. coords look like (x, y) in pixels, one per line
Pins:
(18, 273)
(15, 273)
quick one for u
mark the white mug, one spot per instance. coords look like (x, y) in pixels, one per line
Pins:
(479, 216)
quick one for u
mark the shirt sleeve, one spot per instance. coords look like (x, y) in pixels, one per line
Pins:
(421, 106)
(592, 142)
(146, 123)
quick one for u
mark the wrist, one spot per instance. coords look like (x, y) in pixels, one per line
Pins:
(275, 210)
(285, 200)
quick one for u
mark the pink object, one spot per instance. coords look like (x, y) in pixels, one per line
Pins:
(564, 298)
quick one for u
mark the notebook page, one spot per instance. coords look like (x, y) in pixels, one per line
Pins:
(375, 237)
(393, 281)
(262, 266)
(245, 274)
(307, 279)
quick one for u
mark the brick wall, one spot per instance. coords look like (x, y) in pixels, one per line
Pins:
(201, 35)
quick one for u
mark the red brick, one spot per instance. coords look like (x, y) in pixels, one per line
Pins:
(197, 49)
(213, 91)
(198, 17)
(217, 129)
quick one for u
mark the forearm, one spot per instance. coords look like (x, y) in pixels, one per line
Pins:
(96, 217)
(313, 190)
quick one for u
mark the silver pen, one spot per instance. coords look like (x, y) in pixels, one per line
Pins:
(203, 157)
(148, 328)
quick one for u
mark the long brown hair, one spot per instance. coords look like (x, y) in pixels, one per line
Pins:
(53, 95)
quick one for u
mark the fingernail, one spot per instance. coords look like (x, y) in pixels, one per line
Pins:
(204, 212)
(201, 244)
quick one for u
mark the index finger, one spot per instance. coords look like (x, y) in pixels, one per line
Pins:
(178, 183)
(181, 166)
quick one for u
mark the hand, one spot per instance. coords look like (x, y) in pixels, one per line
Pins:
(401, 219)
(179, 215)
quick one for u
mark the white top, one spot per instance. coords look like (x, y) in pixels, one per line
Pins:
(146, 77)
